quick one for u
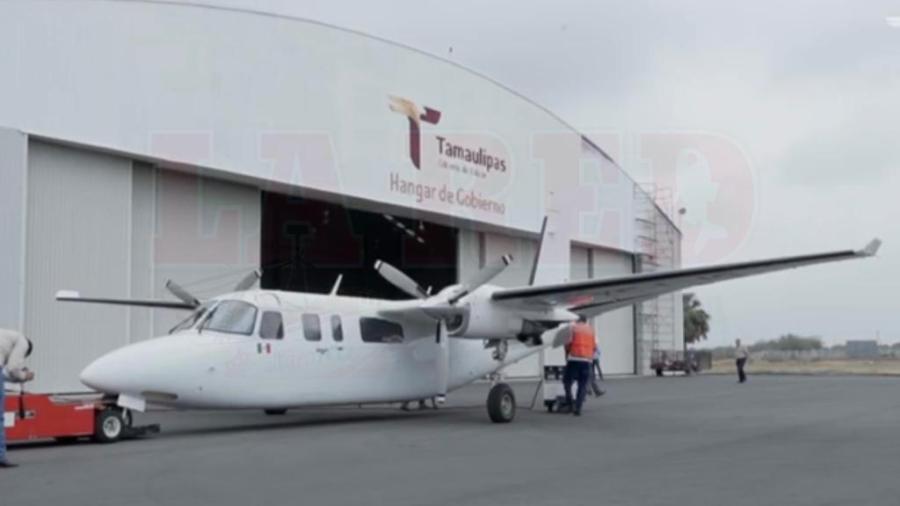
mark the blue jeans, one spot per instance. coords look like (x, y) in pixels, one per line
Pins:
(576, 371)
(2, 410)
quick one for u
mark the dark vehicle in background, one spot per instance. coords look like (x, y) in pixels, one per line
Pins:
(688, 362)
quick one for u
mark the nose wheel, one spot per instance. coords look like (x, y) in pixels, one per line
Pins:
(501, 403)
(111, 424)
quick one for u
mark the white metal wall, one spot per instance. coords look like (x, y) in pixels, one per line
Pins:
(13, 170)
(615, 330)
(106, 226)
(78, 237)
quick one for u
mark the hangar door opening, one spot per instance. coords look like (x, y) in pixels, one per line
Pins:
(306, 244)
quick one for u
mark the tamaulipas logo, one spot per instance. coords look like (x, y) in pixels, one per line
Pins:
(409, 109)
(478, 156)
(471, 155)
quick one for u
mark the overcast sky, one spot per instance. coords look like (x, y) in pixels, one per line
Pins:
(807, 91)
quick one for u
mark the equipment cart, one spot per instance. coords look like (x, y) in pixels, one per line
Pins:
(29, 417)
(554, 394)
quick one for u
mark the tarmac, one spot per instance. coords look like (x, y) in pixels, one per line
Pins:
(650, 441)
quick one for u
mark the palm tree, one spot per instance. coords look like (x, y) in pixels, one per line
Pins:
(696, 319)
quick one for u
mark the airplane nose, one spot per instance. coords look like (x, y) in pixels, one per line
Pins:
(107, 374)
(92, 376)
(131, 369)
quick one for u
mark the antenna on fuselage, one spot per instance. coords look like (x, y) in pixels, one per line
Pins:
(337, 285)
(537, 254)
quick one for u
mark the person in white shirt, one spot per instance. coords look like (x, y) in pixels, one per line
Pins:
(14, 349)
(741, 354)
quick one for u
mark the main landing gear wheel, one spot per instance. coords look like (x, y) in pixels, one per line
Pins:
(109, 425)
(501, 403)
(275, 412)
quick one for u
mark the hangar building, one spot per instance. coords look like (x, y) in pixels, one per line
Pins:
(146, 141)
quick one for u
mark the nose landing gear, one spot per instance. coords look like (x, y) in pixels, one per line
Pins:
(501, 403)
(111, 424)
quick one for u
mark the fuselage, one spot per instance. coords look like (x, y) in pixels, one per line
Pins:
(269, 349)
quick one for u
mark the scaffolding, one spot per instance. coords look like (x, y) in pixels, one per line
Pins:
(656, 250)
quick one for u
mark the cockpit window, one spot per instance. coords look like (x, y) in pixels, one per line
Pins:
(232, 317)
(376, 330)
(190, 321)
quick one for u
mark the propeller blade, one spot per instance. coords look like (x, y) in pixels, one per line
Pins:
(397, 278)
(248, 281)
(181, 293)
(487, 273)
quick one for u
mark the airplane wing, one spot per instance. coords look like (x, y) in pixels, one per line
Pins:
(596, 296)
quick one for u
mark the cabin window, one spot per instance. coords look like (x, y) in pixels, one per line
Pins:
(312, 330)
(337, 332)
(232, 317)
(271, 325)
(376, 330)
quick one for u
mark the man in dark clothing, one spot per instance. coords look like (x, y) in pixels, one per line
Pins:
(596, 375)
(741, 354)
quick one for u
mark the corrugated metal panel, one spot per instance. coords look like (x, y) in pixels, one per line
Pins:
(107, 226)
(142, 223)
(615, 330)
(13, 156)
(78, 237)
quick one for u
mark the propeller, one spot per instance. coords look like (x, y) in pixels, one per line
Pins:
(397, 278)
(443, 306)
(485, 275)
(182, 294)
(248, 281)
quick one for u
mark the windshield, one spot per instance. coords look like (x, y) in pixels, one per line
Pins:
(232, 317)
(190, 321)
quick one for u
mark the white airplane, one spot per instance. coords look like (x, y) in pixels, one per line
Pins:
(274, 350)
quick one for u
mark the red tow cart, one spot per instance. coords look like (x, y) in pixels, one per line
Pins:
(30, 417)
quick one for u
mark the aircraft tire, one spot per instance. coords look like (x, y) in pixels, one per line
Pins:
(501, 403)
(109, 426)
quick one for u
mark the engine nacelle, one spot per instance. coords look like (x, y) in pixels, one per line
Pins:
(486, 318)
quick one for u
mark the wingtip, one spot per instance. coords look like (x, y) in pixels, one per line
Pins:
(872, 248)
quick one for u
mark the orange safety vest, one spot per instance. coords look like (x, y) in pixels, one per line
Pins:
(583, 343)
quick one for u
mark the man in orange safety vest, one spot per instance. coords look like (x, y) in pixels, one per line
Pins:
(580, 350)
